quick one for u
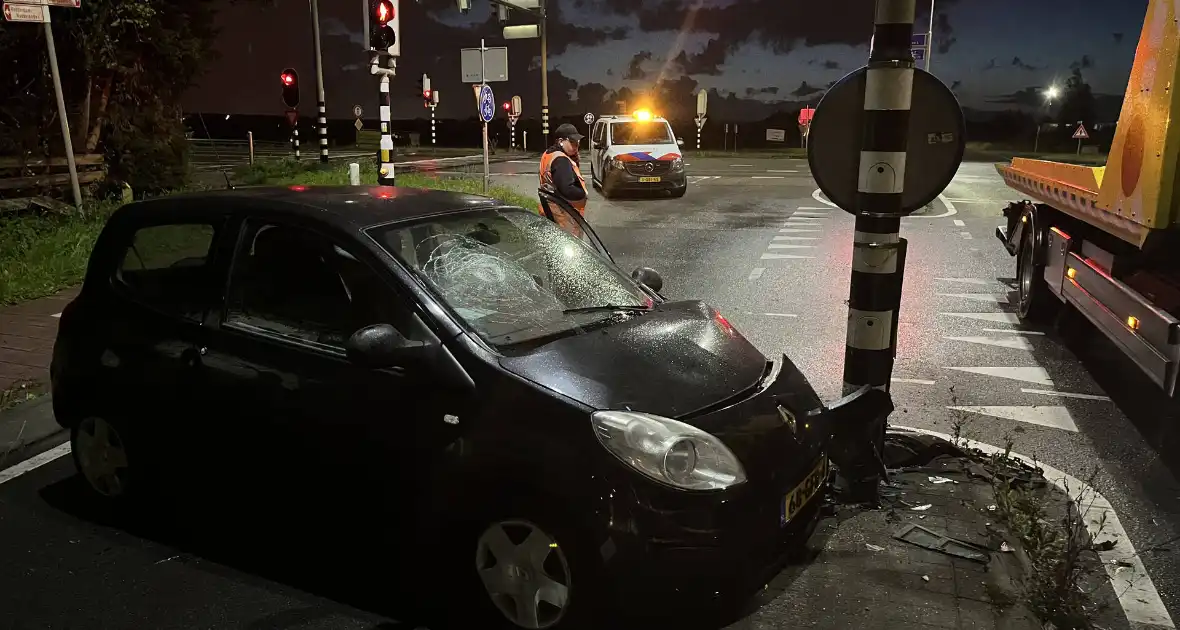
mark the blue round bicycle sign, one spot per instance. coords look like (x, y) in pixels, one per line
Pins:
(487, 103)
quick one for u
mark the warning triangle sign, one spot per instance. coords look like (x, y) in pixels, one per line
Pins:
(1081, 134)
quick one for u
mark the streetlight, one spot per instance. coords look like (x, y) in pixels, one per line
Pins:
(535, 8)
(1050, 93)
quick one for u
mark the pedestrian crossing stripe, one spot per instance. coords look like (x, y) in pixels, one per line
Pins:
(977, 297)
(1036, 375)
(1052, 416)
(1015, 343)
(998, 318)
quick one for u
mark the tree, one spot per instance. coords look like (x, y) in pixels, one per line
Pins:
(1077, 102)
(591, 97)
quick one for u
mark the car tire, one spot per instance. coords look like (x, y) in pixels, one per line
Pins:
(1035, 304)
(103, 459)
(545, 559)
(679, 192)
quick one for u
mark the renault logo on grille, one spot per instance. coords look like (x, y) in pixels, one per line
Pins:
(649, 166)
(789, 420)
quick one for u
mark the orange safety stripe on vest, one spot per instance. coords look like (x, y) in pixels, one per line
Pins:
(547, 178)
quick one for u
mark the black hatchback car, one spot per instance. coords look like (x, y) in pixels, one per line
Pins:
(479, 370)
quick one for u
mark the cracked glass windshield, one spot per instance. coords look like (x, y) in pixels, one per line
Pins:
(512, 275)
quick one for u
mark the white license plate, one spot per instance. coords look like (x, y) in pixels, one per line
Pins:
(802, 494)
(649, 179)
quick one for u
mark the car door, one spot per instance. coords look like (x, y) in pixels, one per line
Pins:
(318, 429)
(565, 216)
(598, 151)
(166, 279)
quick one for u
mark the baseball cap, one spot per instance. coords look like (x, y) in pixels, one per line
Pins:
(566, 130)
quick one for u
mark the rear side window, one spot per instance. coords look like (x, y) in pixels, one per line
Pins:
(166, 267)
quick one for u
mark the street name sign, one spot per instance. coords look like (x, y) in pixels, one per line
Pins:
(494, 63)
(14, 12)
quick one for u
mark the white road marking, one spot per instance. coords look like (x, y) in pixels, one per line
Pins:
(797, 238)
(780, 314)
(978, 297)
(980, 201)
(915, 381)
(950, 210)
(57, 315)
(1129, 579)
(755, 273)
(1036, 375)
(771, 170)
(1052, 416)
(811, 213)
(825, 208)
(818, 195)
(805, 220)
(979, 281)
(1015, 343)
(520, 162)
(959, 223)
(789, 246)
(1013, 332)
(794, 231)
(782, 256)
(965, 235)
(37, 461)
(1049, 392)
(739, 165)
(999, 318)
(766, 177)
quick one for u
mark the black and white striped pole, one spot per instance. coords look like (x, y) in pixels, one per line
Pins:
(385, 172)
(321, 106)
(888, 140)
(295, 140)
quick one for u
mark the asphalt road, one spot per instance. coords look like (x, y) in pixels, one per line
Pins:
(753, 238)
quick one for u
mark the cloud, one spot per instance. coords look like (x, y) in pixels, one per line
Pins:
(1017, 63)
(1085, 63)
(955, 85)
(760, 91)
(1118, 37)
(635, 68)
(827, 64)
(806, 89)
(990, 65)
(1028, 97)
(944, 33)
(708, 61)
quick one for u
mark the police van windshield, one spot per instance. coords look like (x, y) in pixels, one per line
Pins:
(641, 133)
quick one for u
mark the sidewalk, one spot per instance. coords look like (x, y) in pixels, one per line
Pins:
(863, 576)
(27, 332)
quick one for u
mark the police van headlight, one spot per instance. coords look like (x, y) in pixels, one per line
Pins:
(616, 164)
(678, 164)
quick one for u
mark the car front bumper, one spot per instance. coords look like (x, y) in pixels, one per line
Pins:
(621, 180)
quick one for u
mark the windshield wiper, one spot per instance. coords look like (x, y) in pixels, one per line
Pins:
(605, 307)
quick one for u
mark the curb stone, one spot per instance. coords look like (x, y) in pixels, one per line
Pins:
(28, 429)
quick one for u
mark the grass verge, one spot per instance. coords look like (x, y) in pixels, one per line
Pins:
(21, 392)
(42, 253)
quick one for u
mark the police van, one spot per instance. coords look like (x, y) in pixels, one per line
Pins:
(636, 153)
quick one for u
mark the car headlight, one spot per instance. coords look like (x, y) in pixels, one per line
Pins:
(668, 451)
(616, 164)
(678, 164)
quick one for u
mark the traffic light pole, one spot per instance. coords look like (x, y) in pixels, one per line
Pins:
(878, 252)
(385, 171)
(322, 108)
(544, 73)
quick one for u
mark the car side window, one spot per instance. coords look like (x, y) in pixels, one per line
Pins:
(167, 267)
(599, 135)
(300, 285)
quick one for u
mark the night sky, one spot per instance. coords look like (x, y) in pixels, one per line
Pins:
(755, 53)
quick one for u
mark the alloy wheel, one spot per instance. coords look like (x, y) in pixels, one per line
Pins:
(525, 573)
(1027, 273)
(102, 457)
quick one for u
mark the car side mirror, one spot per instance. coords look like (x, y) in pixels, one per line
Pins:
(378, 346)
(680, 142)
(648, 277)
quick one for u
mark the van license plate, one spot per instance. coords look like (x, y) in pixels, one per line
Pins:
(649, 179)
(801, 494)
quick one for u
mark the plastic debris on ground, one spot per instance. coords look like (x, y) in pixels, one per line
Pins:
(922, 537)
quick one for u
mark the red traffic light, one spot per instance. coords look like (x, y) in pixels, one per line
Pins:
(384, 11)
(288, 78)
(426, 94)
(506, 106)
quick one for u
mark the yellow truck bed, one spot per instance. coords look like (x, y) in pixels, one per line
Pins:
(1135, 192)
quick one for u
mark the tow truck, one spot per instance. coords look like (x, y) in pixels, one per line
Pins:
(1104, 240)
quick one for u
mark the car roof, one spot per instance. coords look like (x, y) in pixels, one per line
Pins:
(347, 207)
(628, 118)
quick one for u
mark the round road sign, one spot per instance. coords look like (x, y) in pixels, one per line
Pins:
(357, 111)
(935, 147)
(588, 119)
(487, 103)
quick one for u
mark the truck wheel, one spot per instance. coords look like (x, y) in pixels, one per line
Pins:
(1036, 304)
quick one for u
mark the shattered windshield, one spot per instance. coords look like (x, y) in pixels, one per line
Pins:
(510, 274)
(641, 133)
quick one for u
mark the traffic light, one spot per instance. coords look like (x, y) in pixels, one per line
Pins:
(290, 80)
(385, 27)
(507, 106)
(424, 89)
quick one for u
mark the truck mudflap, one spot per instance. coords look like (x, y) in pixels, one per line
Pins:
(1148, 335)
(1010, 233)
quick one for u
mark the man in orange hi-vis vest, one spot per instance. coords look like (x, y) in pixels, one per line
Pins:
(560, 173)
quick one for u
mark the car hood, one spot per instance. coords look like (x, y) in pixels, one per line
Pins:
(644, 152)
(675, 360)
